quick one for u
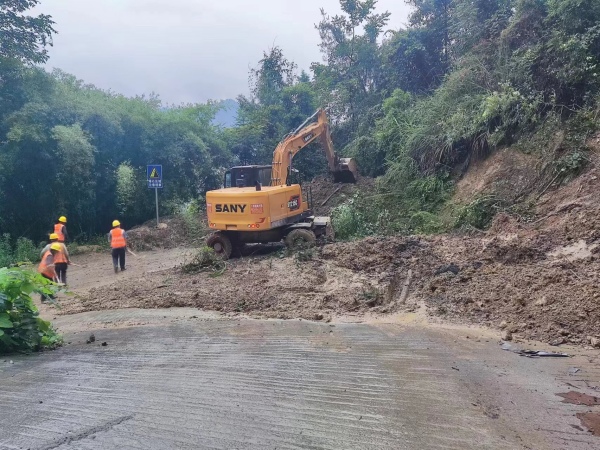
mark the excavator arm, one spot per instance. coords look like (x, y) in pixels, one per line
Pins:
(343, 169)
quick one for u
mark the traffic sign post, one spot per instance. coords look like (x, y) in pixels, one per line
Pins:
(155, 181)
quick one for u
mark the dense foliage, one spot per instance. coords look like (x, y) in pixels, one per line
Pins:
(21, 328)
(72, 149)
(414, 106)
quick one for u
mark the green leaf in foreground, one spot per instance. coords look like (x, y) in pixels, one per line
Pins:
(5, 321)
(21, 328)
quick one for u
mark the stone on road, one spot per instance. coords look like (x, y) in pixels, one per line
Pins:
(251, 384)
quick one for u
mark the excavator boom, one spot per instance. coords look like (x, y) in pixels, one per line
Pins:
(343, 169)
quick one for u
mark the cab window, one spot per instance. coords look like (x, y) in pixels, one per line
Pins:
(265, 177)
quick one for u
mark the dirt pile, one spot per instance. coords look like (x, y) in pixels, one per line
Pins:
(171, 233)
(516, 281)
(327, 195)
(267, 286)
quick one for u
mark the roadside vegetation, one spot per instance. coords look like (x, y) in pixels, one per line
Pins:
(207, 261)
(21, 328)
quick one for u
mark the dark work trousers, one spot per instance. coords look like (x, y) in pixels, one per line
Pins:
(118, 255)
(61, 272)
(43, 296)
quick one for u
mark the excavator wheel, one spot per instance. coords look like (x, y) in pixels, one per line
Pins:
(300, 238)
(221, 244)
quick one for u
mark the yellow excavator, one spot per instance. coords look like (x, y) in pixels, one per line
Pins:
(259, 204)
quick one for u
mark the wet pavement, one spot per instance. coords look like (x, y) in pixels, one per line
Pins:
(215, 383)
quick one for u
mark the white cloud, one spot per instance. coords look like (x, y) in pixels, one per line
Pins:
(185, 50)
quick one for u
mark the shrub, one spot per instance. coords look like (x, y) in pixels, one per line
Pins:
(351, 219)
(479, 213)
(192, 216)
(21, 328)
(424, 222)
(206, 260)
(6, 254)
(26, 251)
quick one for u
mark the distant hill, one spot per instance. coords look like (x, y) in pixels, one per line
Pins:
(227, 116)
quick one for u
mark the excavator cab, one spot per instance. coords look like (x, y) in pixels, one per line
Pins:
(247, 176)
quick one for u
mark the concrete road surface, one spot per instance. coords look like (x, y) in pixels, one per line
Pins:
(214, 383)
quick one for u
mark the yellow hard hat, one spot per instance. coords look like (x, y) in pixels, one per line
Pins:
(56, 246)
(54, 236)
(116, 223)
(62, 219)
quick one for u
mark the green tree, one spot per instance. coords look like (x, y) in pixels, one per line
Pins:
(434, 16)
(411, 62)
(22, 37)
(280, 102)
(349, 80)
(75, 181)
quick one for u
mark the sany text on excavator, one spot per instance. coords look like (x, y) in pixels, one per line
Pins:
(259, 204)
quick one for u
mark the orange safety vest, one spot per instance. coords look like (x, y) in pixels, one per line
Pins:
(117, 238)
(46, 267)
(58, 230)
(61, 257)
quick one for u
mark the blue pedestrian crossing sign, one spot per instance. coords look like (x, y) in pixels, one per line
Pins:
(155, 179)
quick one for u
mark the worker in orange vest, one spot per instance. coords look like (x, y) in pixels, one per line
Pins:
(118, 242)
(46, 266)
(60, 229)
(61, 260)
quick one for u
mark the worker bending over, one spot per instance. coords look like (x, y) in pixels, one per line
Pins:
(118, 242)
(46, 267)
(61, 259)
(60, 229)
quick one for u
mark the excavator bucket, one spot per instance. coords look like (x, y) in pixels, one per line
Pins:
(346, 171)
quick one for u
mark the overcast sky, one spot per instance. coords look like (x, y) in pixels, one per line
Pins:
(185, 50)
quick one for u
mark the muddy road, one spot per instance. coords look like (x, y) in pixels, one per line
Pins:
(192, 380)
(185, 377)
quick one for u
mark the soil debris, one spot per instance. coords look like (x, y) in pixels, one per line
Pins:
(591, 421)
(534, 276)
(327, 195)
(578, 398)
(173, 232)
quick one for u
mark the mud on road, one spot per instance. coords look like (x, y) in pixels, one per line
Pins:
(520, 284)
(534, 278)
(191, 381)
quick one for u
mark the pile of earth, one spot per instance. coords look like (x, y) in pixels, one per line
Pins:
(326, 195)
(171, 232)
(504, 281)
(272, 285)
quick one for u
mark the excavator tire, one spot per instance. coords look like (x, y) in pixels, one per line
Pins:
(300, 238)
(221, 244)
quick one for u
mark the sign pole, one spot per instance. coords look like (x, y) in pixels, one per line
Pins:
(156, 195)
(155, 181)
